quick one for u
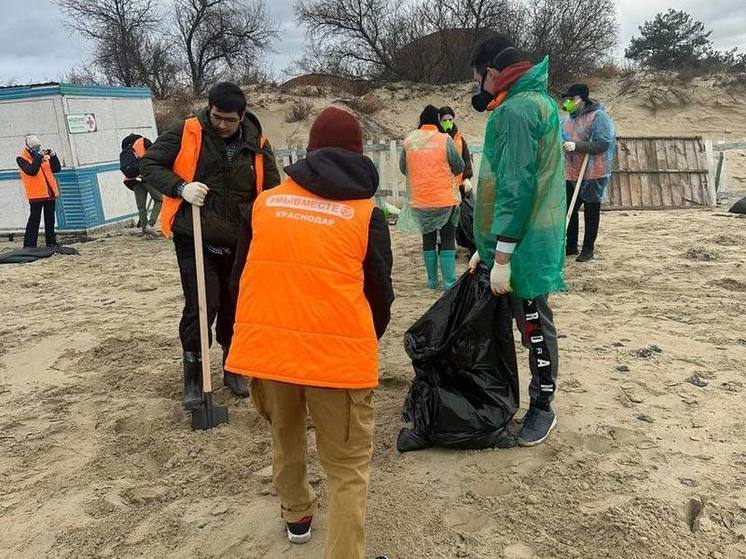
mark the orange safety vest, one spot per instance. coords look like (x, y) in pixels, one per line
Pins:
(431, 181)
(302, 316)
(185, 167)
(460, 148)
(43, 185)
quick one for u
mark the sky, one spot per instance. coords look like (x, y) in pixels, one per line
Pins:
(51, 50)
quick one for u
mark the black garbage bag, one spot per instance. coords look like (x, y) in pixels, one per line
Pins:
(739, 207)
(465, 390)
(465, 229)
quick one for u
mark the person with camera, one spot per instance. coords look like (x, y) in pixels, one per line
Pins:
(37, 168)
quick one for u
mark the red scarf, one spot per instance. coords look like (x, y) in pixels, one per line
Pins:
(507, 79)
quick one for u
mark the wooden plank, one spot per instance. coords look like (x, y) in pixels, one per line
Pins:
(624, 190)
(698, 181)
(677, 199)
(646, 196)
(656, 191)
(690, 188)
(635, 182)
(664, 179)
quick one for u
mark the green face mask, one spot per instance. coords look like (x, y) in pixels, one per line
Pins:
(447, 125)
(569, 106)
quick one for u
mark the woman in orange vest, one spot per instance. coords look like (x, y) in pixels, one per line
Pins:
(315, 297)
(448, 123)
(37, 168)
(431, 162)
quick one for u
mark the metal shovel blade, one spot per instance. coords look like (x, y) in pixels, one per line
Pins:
(208, 415)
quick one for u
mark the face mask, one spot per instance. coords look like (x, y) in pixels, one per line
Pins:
(447, 125)
(569, 106)
(480, 101)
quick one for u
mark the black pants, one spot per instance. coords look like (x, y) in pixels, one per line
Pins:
(32, 226)
(447, 238)
(220, 302)
(592, 217)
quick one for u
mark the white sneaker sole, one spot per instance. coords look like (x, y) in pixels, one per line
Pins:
(299, 539)
(534, 443)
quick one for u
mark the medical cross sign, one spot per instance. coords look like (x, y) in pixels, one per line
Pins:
(81, 124)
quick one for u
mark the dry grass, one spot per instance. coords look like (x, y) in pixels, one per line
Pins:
(298, 112)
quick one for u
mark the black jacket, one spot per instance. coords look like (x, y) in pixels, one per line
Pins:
(33, 167)
(468, 168)
(338, 174)
(231, 181)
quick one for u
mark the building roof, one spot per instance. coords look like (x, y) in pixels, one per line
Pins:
(51, 89)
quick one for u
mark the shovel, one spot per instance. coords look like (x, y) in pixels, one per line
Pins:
(575, 193)
(207, 415)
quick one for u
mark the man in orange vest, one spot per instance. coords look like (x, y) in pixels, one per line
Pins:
(134, 147)
(37, 168)
(448, 123)
(219, 161)
(315, 297)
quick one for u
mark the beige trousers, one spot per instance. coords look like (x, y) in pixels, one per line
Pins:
(344, 424)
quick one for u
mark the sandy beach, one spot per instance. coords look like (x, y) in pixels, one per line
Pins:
(648, 460)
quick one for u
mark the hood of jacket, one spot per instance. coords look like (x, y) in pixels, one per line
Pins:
(336, 174)
(535, 79)
(129, 140)
(591, 106)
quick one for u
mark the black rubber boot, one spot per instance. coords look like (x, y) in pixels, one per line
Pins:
(192, 380)
(585, 255)
(236, 383)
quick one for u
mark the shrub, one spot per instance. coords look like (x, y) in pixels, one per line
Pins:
(298, 112)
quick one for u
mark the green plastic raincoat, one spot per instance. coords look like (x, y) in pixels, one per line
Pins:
(521, 191)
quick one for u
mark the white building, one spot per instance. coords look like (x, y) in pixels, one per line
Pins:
(85, 126)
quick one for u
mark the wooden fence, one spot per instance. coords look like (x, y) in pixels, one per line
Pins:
(647, 173)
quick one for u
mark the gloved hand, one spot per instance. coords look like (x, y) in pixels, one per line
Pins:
(467, 186)
(500, 279)
(474, 263)
(195, 193)
(569, 146)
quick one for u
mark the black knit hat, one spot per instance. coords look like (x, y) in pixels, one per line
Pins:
(430, 116)
(577, 90)
(498, 52)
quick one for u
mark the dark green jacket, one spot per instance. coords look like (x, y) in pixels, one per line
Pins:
(232, 183)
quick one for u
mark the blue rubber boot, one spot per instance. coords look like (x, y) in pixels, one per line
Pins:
(431, 265)
(448, 267)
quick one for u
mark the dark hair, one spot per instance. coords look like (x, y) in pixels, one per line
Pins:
(497, 52)
(227, 97)
(430, 116)
(447, 111)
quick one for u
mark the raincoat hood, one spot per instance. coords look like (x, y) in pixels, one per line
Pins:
(336, 174)
(536, 79)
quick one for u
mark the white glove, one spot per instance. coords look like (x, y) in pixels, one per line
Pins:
(474, 263)
(195, 193)
(569, 146)
(500, 279)
(467, 186)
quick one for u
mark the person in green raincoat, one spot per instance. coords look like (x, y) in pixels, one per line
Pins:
(519, 218)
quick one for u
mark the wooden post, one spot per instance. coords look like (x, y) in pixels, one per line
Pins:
(709, 157)
(394, 172)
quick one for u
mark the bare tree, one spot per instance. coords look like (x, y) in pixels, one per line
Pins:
(128, 50)
(358, 38)
(578, 35)
(216, 36)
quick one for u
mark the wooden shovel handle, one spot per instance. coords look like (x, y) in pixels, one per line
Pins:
(204, 334)
(581, 176)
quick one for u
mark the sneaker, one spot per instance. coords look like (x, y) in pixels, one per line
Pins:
(585, 256)
(300, 532)
(536, 426)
